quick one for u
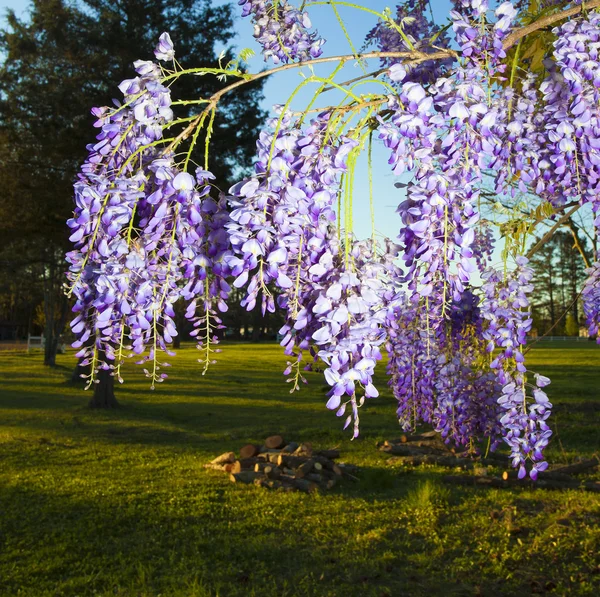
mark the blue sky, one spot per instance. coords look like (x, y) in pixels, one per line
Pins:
(279, 87)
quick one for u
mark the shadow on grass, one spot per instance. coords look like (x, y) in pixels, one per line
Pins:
(147, 547)
(185, 414)
(142, 542)
(213, 422)
(190, 425)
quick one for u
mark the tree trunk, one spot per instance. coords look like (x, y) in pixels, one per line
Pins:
(49, 308)
(243, 324)
(551, 293)
(52, 339)
(79, 371)
(104, 391)
(257, 324)
(53, 328)
(50, 348)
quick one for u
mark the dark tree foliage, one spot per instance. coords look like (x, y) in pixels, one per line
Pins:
(559, 276)
(57, 64)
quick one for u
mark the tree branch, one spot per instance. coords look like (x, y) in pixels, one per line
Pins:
(415, 57)
(411, 57)
(573, 228)
(544, 22)
(551, 232)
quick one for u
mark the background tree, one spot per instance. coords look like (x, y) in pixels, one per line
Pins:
(559, 277)
(571, 327)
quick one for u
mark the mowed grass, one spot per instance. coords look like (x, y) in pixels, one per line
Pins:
(117, 503)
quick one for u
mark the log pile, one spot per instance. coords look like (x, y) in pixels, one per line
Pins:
(556, 477)
(428, 448)
(288, 466)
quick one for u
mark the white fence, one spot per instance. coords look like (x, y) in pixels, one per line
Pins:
(40, 342)
(36, 342)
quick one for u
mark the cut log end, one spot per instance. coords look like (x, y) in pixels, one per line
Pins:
(275, 442)
(289, 448)
(299, 484)
(216, 467)
(225, 458)
(249, 451)
(305, 468)
(304, 450)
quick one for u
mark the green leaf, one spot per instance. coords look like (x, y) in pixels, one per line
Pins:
(246, 54)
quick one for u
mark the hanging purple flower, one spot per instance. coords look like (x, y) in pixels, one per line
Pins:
(164, 50)
(418, 33)
(591, 300)
(506, 308)
(142, 227)
(282, 31)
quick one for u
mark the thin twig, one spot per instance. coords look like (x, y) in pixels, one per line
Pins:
(345, 108)
(374, 73)
(578, 246)
(492, 198)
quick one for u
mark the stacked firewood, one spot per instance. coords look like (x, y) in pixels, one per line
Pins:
(428, 448)
(287, 466)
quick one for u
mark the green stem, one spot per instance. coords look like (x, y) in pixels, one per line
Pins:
(319, 92)
(345, 31)
(370, 169)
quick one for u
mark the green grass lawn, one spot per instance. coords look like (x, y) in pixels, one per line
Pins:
(117, 503)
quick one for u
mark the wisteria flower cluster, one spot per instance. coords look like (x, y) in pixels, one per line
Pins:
(591, 300)
(283, 216)
(352, 309)
(439, 377)
(448, 133)
(439, 216)
(413, 353)
(282, 30)
(442, 132)
(506, 307)
(570, 114)
(283, 231)
(411, 30)
(141, 226)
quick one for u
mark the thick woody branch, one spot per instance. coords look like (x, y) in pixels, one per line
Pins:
(411, 58)
(551, 232)
(544, 22)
